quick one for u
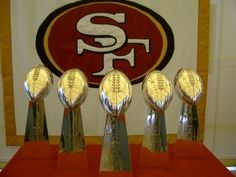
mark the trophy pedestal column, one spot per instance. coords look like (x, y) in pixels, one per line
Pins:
(188, 123)
(155, 138)
(115, 155)
(72, 134)
(36, 125)
(154, 152)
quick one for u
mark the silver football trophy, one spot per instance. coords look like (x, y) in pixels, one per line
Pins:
(115, 93)
(72, 91)
(158, 93)
(188, 85)
(37, 85)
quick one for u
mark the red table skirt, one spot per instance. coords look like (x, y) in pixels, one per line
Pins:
(26, 164)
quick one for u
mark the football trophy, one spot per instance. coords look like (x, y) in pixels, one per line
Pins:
(37, 85)
(158, 93)
(188, 85)
(115, 93)
(72, 91)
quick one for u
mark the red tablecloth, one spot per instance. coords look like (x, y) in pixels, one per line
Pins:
(206, 166)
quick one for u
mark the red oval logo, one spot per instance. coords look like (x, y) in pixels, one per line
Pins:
(97, 37)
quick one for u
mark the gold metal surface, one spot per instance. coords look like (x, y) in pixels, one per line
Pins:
(38, 83)
(72, 88)
(115, 93)
(72, 91)
(157, 90)
(188, 85)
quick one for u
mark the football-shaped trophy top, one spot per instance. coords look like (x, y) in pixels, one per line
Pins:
(38, 83)
(115, 92)
(157, 90)
(188, 85)
(72, 88)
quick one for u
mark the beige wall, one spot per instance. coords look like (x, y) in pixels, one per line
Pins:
(220, 123)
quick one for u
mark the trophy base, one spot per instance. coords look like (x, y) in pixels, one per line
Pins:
(186, 148)
(150, 159)
(37, 150)
(77, 160)
(115, 174)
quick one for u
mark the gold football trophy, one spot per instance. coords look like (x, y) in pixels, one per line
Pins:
(72, 91)
(158, 93)
(115, 93)
(188, 85)
(37, 86)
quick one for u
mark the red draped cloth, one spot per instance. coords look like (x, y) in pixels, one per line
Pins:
(40, 160)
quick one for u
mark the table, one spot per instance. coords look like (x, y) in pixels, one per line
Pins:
(47, 166)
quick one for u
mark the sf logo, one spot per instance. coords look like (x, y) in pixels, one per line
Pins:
(109, 37)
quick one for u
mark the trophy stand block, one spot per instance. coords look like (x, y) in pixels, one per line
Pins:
(77, 160)
(37, 150)
(115, 174)
(150, 159)
(187, 148)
